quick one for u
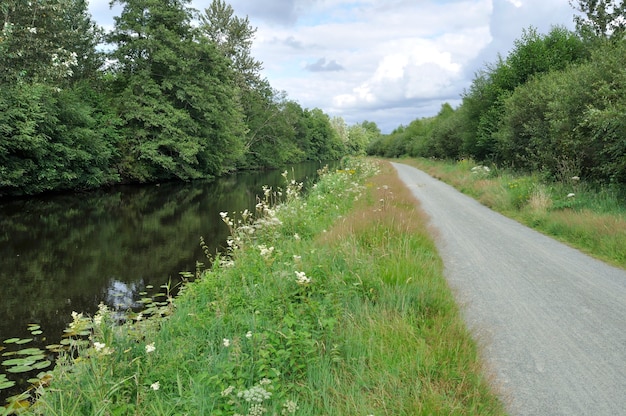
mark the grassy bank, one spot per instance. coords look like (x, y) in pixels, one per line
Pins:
(585, 217)
(330, 305)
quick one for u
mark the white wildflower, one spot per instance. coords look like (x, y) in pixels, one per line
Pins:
(265, 252)
(302, 279)
(296, 237)
(256, 410)
(150, 348)
(226, 263)
(155, 386)
(571, 195)
(255, 394)
(226, 342)
(249, 334)
(102, 349)
(289, 408)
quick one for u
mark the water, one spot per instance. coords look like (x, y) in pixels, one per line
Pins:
(67, 253)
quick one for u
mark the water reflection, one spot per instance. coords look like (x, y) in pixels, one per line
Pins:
(70, 252)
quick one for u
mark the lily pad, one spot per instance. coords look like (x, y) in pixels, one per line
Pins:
(23, 341)
(30, 351)
(11, 340)
(20, 369)
(5, 383)
(42, 364)
(20, 362)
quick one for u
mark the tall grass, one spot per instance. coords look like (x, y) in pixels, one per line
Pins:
(330, 305)
(589, 218)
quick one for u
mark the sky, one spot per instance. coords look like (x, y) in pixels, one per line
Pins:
(387, 61)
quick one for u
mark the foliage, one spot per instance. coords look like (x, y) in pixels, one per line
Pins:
(233, 37)
(444, 139)
(181, 97)
(357, 137)
(551, 106)
(600, 18)
(532, 54)
(410, 140)
(316, 137)
(53, 139)
(573, 117)
(181, 117)
(47, 41)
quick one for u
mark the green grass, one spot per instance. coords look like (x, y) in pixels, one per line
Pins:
(335, 305)
(585, 217)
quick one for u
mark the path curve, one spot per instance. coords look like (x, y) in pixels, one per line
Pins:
(551, 319)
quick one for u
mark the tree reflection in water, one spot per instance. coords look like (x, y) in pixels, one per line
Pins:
(70, 252)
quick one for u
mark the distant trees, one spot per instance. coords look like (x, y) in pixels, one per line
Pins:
(556, 104)
(532, 54)
(179, 96)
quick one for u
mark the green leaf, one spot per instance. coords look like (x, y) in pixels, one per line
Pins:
(20, 369)
(5, 383)
(19, 362)
(30, 351)
(42, 364)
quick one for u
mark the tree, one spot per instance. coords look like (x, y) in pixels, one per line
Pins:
(271, 122)
(53, 133)
(533, 54)
(261, 105)
(600, 18)
(47, 41)
(177, 95)
(316, 137)
(233, 36)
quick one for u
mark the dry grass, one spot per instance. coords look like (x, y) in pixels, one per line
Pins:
(389, 202)
(540, 200)
(407, 349)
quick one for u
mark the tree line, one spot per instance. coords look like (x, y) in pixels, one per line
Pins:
(169, 93)
(555, 104)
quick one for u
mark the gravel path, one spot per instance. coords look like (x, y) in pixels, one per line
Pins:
(552, 320)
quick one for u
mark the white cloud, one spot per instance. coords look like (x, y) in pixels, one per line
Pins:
(388, 61)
